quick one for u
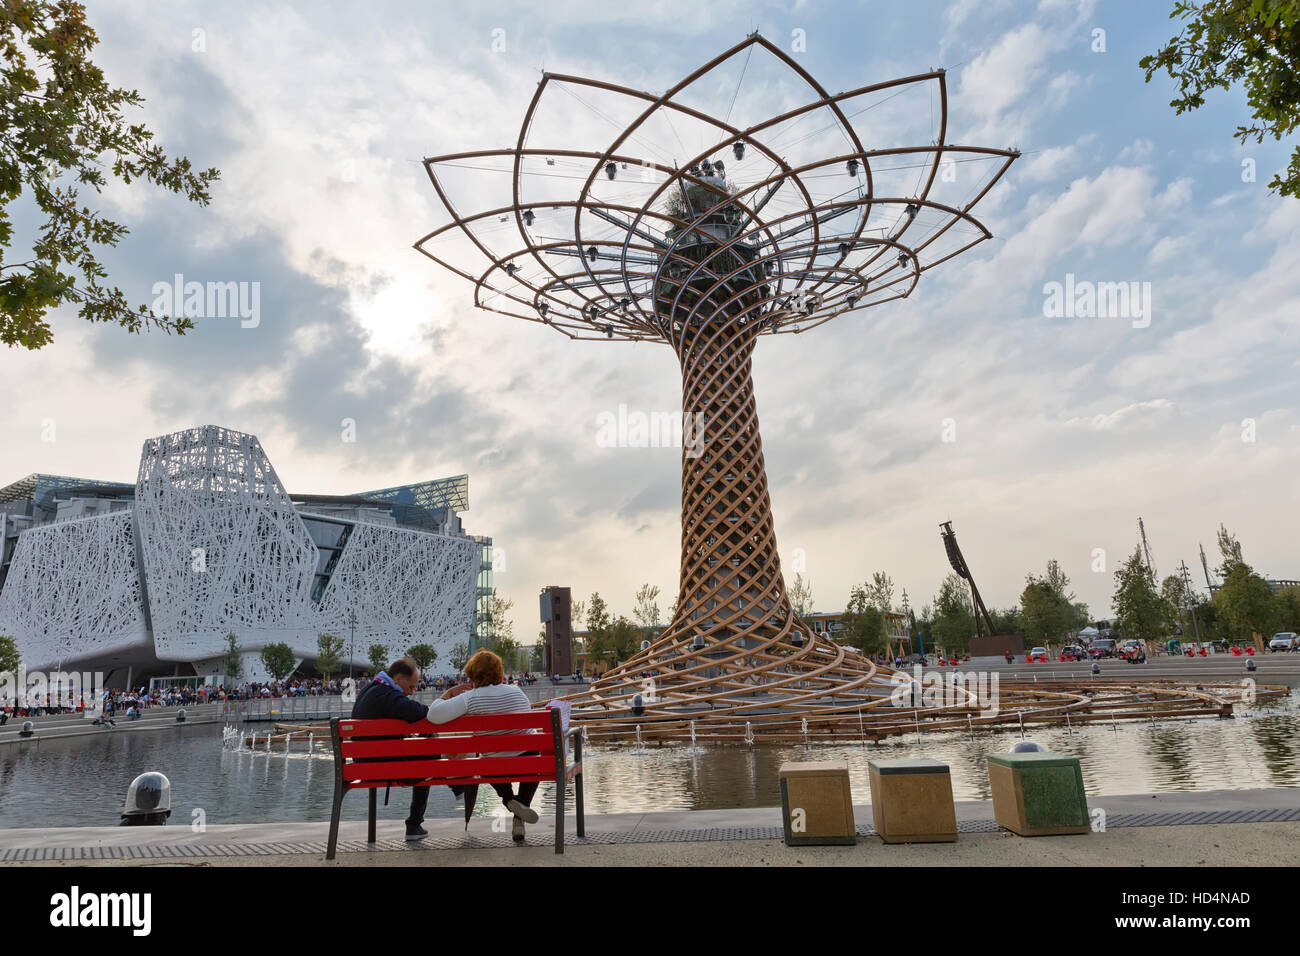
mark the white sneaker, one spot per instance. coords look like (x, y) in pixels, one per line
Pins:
(517, 830)
(527, 814)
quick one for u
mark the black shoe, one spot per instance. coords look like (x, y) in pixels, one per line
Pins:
(522, 812)
(416, 832)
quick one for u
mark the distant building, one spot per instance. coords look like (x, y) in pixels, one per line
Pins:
(145, 579)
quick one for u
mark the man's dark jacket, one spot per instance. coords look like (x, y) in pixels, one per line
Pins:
(378, 701)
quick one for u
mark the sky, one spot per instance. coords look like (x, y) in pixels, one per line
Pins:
(1039, 435)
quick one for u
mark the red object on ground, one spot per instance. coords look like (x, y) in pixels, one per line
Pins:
(1204, 653)
(1236, 651)
(1250, 650)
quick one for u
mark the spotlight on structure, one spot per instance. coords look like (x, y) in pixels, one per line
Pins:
(611, 169)
(1250, 664)
(624, 303)
(180, 716)
(852, 300)
(1096, 668)
(528, 217)
(638, 705)
(797, 638)
(738, 150)
(592, 253)
(852, 167)
(698, 643)
(707, 167)
(543, 308)
(718, 168)
(148, 800)
(903, 260)
(511, 268)
(27, 727)
(609, 331)
(645, 645)
(912, 209)
(845, 248)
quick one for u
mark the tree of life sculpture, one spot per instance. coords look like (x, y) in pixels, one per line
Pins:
(638, 245)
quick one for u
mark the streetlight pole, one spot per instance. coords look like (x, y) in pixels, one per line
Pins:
(352, 640)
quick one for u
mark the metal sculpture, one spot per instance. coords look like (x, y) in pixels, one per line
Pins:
(622, 241)
(685, 256)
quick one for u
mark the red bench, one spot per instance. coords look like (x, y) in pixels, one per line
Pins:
(370, 754)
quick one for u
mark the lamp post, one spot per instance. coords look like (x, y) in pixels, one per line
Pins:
(352, 640)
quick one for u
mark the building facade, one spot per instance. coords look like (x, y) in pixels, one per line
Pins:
(154, 577)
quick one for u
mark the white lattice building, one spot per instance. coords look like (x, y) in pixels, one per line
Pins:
(145, 578)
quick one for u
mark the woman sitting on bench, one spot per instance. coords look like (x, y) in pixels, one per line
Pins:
(488, 693)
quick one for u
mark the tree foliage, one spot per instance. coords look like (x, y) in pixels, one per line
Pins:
(1048, 610)
(423, 654)
(279, 660)
(231, 662)
(863, 624)
(377, 654)
(10, 659)
(954, 616)
(328, 648)
(1141, 613)
(65, 130)
(801, 596)
(1251, 43)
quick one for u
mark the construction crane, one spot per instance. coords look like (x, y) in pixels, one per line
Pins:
(1191, 607)
(1142, 531)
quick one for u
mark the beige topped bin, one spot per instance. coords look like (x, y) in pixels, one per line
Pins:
(817, 804)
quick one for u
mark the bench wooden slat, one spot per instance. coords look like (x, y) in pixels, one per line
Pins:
(359, 748)
(503, 767)
(350, 728)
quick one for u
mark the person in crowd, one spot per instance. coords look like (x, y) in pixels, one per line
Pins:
(387, 697)
(488, 693)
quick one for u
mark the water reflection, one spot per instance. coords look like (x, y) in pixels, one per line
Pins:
(83, 781)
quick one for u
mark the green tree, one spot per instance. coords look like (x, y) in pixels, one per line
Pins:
(801, 596)
(1251, 43)
(954, 617)
(646, 609)
(378, 656)
(1141, 612)
(880, 592)
(537, 656)
(1048, 610)
(1006, 621)
(624, 638)
(1246, 604)
(10, 659)
(328, 648)
(423, 654)
(279, 659)
(863, 626)
(231, 660)
(1288, 609)
(1230, 549)
(64, 127)
(459, 655)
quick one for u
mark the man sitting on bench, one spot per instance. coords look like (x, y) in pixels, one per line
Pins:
(488, 693)
(387, 698)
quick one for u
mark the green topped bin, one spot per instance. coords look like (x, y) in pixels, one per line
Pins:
(1038, 794)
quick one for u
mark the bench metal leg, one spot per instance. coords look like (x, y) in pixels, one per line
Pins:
(370, 838)
(334, 825)
(559, 816)
(577, 792)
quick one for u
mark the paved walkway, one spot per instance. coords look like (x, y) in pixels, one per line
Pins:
(1216, 828)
